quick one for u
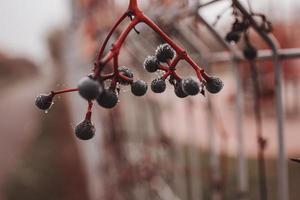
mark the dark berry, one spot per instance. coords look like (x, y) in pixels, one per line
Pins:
(89, 88)
(214, 85)
(108, 98)
(178, 90)
(239, 26)
(85, 130)
(250, 52)
(151, 64)
(125, 72)
(44, 101)
(190, 86)
(158, 85)
(233, 36)
(164, 52)
(139, 88)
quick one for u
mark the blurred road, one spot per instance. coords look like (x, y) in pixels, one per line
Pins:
(19, 122)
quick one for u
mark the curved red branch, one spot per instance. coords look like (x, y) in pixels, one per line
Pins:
(109, 35)
(138, 16)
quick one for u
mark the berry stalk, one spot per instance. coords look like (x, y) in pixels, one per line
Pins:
(63, 91)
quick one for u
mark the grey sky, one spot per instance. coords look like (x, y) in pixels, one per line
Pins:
(24, 25)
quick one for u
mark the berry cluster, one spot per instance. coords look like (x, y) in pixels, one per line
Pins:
(91, 88)
(164, 54)
(240, 29)
(104, 88)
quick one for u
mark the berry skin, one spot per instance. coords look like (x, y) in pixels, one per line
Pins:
(85, 130)
(151, 64)
(44, 101)
(239, 26)
(190, 86)
(233, 36)
(179, 91)
(108, 99)
(250, 52)
(125, 72)
(214, 85)
(158, 85)
(89, 88)
(139, 88)
(164, 52)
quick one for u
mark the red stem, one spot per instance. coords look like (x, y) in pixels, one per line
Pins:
(107, 76)
(109, 35)
(151, 24)
(162, 67)
(133, 6)
(88, 114)
(174, 74)
(134, 10)
(63, 91)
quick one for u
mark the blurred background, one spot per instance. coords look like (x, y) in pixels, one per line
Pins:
(154, 147)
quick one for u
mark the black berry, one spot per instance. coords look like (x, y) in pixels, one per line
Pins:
(151, 64)
(139, 88)
(239, 26)
(178, 90)
(233, 36)
(250, 52)
(190, 86)
(44, 101)
(85, 130)
(158, 85)
(108, 98)
(125, 72)
(89, 88)
(214, 85)
(164, 52)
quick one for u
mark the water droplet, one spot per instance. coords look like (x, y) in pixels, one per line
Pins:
(46, 111)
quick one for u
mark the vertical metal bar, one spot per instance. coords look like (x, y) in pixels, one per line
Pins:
(282, 165)
(242, 166)
(282, 185)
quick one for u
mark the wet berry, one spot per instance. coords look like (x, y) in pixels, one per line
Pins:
(89, 88)
(139, 88)
(108, 99)
(44, 101)
(178, 90)
(190, 86)
(151, 64)
(214, 85)
(250, 52)
(233, 36)
(158, 85)
(164, 52)
(125, 72)
(85, 130)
